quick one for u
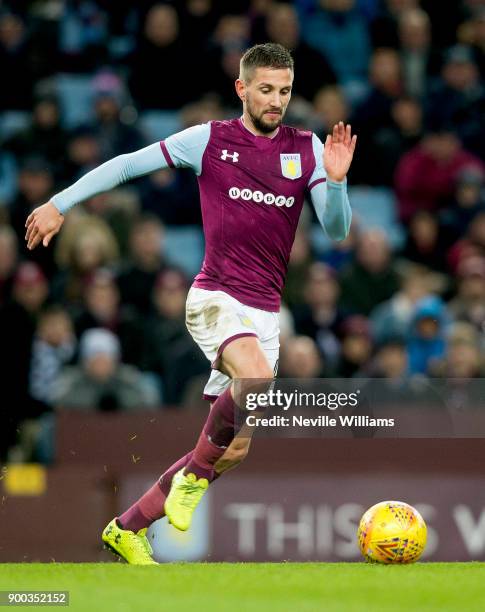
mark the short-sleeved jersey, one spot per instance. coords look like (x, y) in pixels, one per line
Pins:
(252, 191)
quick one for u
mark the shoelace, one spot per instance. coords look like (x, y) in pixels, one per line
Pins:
(189, 489)
(140, 544)
(147, 546)
(145, 542)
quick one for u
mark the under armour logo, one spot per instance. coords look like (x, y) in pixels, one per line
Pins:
(234, 156)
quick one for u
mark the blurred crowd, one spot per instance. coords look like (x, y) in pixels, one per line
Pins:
(96, 321)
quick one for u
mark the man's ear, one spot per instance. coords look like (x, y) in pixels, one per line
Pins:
(240, 86)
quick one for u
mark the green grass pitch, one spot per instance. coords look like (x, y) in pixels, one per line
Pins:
(234, 587)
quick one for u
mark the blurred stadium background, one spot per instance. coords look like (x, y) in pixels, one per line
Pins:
(92, 330)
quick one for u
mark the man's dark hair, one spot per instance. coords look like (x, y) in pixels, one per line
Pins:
(269, 55)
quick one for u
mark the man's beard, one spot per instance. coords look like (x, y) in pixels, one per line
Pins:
(259, 122)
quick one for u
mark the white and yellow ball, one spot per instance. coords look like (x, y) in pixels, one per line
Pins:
(392, 532)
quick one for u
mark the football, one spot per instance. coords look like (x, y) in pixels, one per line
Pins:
(392, 532)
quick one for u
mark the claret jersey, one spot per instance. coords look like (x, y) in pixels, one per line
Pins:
(251, 191)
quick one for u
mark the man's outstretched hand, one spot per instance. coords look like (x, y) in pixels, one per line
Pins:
(339, 151)
(42, 224)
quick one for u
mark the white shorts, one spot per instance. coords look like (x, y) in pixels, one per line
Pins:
(214, 319)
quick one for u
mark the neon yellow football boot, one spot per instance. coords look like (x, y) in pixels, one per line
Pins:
(184, 497)
(134, 548)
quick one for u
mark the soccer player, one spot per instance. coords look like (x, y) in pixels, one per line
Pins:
(253, 173)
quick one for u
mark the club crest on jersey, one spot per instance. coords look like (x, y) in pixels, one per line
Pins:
(290, 165)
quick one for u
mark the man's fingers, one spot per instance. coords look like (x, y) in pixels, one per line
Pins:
(31, 240)
(341, 131)
(348, 135)
(335, 133)
(49, 237)
(34, 240)
(353, 142)
(33, 229)
(29, 225)
(30, 229)
(30, 218)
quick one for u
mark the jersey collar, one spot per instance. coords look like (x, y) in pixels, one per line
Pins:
(256, 138)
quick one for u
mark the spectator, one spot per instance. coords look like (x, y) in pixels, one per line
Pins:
(119, 208)
(330, 107)
(232, 28)
(468, 200)
(137, 279)
(374, 111)
(312, 70)
(371, 278)
(463, 357)
(197, 18)
(389, 142)
(160, 49)
(53, 347)
(346, 44)
(8, 261)
(114, 136)
(385, 81)
(426, 344)
(101, 381)
(229, 40)
(170, 352)
(469, 303)
(392, 318)
(384, 27)
(426, 175)
(301, 359)
(425, 244)
(83, 35)
(472, 243)
(102, 309)
(391, 362)
(458, 98)
(320, 316)
(357, 346)
(472, 32)
(16, 62)
(418, 59)
(45, 138)
(83, 153)
(86, 244)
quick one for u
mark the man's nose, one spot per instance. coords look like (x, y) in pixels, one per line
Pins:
(276, 101)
